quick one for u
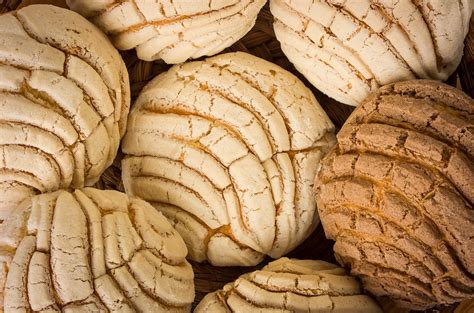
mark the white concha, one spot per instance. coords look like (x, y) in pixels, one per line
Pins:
(290, 285)
(173, 31)
(64, 101)
(227, 149)
(349, 48)
(92, 251)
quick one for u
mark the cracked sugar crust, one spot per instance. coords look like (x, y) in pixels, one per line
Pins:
(290, 285)
(348, 49)
(227, 149)
(396, 194)
(173, 31)
(64, 101)
(119, 255)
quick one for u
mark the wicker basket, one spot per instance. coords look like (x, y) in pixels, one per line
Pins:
(261, 41)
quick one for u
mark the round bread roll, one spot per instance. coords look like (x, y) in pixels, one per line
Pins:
(348, 49)
(396, 194)
(173, 31)
(227, 149)
(92, 251)
(64, 101)
(290, 285)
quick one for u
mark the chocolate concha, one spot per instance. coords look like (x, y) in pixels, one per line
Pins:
(64, 100)
(396, 194)
(173, 31)
(227, 149)
(348, 49)
(92, 251)
(290, 285)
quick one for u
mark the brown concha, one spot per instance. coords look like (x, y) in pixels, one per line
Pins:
(396, 194)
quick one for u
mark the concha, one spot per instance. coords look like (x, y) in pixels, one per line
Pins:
(64, 101)
(227, 149)
(396, 194)
(290, 285)
(173, 31)
(92, 251)
(349, 48)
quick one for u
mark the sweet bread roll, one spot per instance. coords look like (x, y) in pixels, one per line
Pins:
(290, 285)
(348, 49)
(174, 31)
(227, 149)
(396, 194)
(92, 251)
(64, 100)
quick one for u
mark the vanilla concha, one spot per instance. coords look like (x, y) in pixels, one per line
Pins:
(227, 149)
(92, 251)
(173, 31)
(290, 285)
(64, 100)
(396, 194)
(348, 49)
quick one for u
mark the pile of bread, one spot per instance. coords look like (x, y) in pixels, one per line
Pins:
(231, 159)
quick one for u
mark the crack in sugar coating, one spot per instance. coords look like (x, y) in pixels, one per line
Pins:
(63, 103)
(173, 31)
(349, 49)
(119, 255)
(400, 208)
(228, 149)
(290, 285)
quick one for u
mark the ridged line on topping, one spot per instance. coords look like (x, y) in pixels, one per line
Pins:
(269, 97)
(420, 207)
(374, 116)
(53, 156)
(39, 188)
(237, 30)
(399, 151)
(305, 292)
(433, 278)
(328, 89)
(68, 53)
(265, 123)
(178, 109)
(390, 47)
(48, 157)
(354, 71)
(166, 180)
(423, 295)
(430, 30)
(178, 18)
(413, 200)
(356, 21)
(204, 149)
(231, 128)
(329, 33)
(109, 271)
(438, 289)
(223, 230)
(393, 21)
(211, 231)
(41, 98)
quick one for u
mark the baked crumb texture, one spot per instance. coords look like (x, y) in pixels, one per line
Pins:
(64, 101)
(396, 194)
(227, 149)
(173, 31)
(348, 49)
(92, 251)
(290, 285)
